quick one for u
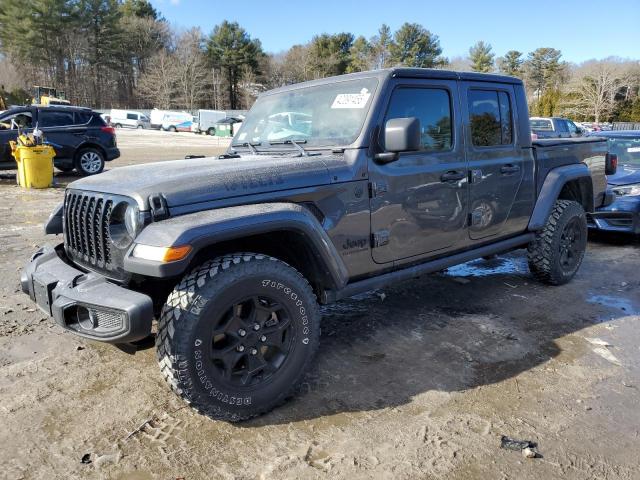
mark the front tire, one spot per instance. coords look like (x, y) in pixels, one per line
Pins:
(237, 334)
(558, 249)
(172, 129)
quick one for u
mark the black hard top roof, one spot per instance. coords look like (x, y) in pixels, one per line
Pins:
(405, 72)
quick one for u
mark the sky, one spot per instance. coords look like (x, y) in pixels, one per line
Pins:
(582, 30)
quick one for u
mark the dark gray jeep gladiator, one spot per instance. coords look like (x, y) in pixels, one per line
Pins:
(330, 188)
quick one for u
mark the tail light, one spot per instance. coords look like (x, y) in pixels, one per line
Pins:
(107, 129)
(611, 164)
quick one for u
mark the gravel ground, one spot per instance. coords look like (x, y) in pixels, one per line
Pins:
(420, 380)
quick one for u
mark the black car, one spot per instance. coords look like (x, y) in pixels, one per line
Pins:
(80, 137)
(623, 215)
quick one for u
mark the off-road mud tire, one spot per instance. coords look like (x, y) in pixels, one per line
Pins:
(199, 298)
(544, 252)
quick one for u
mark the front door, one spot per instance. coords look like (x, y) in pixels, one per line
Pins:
(496, 162)
(419, 202)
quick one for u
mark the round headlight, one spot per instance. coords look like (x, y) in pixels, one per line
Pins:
(132, 220)
(124, 224)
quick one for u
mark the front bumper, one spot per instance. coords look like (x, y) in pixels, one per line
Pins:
(623, 215)
(86, 304)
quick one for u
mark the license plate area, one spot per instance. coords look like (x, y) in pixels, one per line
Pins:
(43, 291)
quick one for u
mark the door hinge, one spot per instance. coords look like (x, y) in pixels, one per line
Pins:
(380, 238)
(377, 189)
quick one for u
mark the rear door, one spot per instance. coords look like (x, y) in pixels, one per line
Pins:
(9, 123)
(496, 161)
(60, 130)
(419, 202)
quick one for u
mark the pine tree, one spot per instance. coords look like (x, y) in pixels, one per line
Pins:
(511, 63)
(415, 46)
(481, 57)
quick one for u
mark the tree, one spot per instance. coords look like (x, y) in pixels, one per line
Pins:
(230, 48)
(191, 72)
(381, 46)
(157, 84)
(330, 54)
(415, 46)
(511, 63)
(595, 88)
(481, 57)
(360, 56)
(544, 69)
(100, 21)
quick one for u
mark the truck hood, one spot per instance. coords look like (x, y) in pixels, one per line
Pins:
(625, 175)
(198, 180)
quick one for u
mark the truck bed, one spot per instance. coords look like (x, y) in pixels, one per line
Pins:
(555, 152)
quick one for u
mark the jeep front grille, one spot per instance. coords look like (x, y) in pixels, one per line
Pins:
(86, 228)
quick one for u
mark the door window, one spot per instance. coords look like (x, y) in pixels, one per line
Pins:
(490, 118)
(55, 119)
(573, 130)
(432, 106)
(16, 120)
(562, 126)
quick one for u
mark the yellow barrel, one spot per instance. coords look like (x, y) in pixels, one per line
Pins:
(35, 165)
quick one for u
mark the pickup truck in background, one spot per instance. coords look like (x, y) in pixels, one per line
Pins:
(554, 127)
(330, 188)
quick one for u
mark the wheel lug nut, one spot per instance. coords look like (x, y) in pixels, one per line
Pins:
(242, 332)
(240, 348)
(263, 338)
(253, 351)
(256, 327)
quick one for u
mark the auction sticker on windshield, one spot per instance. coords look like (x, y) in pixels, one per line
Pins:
(351, 100)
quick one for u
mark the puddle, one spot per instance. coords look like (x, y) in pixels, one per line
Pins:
(357, 305)
(494, 266)
(617, 303)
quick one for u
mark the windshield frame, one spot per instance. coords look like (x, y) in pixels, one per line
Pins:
(359, 139)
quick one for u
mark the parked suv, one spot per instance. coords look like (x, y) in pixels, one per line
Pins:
(81, 138)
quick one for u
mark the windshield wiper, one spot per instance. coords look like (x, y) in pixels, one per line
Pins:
(296, 143)
(249, 145)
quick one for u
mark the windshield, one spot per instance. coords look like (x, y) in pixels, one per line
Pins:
(627, 149)
(323, 115)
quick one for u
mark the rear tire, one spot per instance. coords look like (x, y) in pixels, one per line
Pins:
(558, 249)
(118, 125)
(211, 131)
(89, 161)
(237, 334)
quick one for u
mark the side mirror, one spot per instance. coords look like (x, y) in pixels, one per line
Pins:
(400, 135)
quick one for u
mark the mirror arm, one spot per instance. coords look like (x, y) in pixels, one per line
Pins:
(385, 157)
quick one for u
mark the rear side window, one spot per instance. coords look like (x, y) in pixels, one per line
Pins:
(432, 106)
(541, 124)
(132, 116)
(97, 120)
(82, 118)
(490, 118)
(54, 119)
(562, 126)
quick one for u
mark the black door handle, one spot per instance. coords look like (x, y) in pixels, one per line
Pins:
(452, 176)
(506, 169)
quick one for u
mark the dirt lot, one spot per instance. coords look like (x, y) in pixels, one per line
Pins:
(417, 381)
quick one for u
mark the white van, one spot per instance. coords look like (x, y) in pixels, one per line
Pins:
(129, 118)
(176, 122)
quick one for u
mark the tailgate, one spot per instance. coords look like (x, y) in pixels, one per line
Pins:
(556, 152)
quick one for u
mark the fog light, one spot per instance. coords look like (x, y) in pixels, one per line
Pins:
(161, 254)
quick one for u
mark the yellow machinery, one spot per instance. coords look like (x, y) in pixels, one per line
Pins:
(35, 161)
(49, 96)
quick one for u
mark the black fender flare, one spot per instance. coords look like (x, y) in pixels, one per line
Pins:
(207, 228)
(553, 183)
